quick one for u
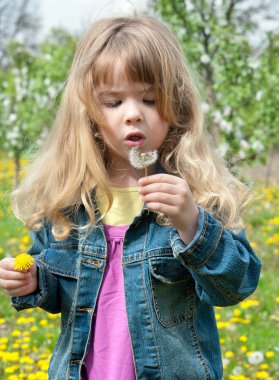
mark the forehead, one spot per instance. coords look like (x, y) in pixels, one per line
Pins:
(117, 80)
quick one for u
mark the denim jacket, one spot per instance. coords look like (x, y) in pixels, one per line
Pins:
(170, 291)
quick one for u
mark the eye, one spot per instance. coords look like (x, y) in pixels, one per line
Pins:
(112, 103)
(149, 102)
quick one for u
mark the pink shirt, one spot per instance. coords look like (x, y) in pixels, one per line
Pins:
(110, 356)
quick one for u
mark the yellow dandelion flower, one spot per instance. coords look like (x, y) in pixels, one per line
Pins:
(13, 377)
(249, 303)
(274, 239)
(243, 338)
(16, 333)
(25, 239)
(222, 325)
(43, 322)
(26, 360)
(11, 369)
(262, 375)
(23, 262)
(236, 312)
(269, 354)
(243, 348)
(229, 354)
(274, 220)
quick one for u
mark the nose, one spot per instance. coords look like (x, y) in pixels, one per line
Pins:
(133, 113)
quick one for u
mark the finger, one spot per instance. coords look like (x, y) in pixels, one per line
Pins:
(159, 187)
(163, 208)
(7, 263)
(167, 199)
(18, 292)
(159, 178)
(13, 284)
(11, 274)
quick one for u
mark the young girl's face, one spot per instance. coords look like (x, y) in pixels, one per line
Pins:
(131, 116)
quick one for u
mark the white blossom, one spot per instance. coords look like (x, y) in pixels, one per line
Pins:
(6, 102)
(52, 91)
(223, 148)
(255, 357)
(205, 59)
(237, 370)
(244, 144)
(47, 57)
(259, 95)
(254, 64)
(47, 81)
(217, 116)
(12, 117)
(205, 107)
(13, 134)
(242, 154)
(227, 110)
(226, 361)
(225, 126)
(258, 146)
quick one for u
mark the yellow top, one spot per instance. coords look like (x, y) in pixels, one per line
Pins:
(127, 203)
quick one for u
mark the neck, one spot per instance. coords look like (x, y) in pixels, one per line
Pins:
(128, 176)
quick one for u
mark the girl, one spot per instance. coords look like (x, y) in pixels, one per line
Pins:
(134, 263)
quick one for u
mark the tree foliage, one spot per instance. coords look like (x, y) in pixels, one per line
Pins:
(30, 91)
(19, 19)
(235, 74)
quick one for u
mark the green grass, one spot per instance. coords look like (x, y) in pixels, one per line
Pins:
(244, 328)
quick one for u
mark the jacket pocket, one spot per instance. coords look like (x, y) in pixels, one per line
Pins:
(172, 290)
(62, 265)
(60, 261)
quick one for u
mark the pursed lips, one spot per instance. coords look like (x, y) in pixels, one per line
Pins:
(134, 139)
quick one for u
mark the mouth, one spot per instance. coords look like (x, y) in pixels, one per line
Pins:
(134, 139)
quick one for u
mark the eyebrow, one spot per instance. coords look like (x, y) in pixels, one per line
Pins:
(114, 93)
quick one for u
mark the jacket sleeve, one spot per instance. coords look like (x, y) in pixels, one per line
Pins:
(46, 296)
(222, 263)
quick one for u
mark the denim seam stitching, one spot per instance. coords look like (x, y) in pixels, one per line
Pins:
(169, 322)
(212, 251)
(226, 292)
(150, 319)
(196, 345)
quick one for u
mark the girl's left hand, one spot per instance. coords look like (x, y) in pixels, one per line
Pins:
(172, 196)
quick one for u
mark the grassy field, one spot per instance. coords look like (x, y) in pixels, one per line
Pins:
(249, 332)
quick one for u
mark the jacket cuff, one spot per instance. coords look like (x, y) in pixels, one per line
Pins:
(204, 243)
(38, 297)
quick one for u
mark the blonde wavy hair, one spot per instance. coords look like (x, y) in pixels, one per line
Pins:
(73, 160)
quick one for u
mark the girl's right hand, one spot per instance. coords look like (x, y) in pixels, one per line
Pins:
(16, 283)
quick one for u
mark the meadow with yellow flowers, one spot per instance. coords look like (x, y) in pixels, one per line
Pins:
(249, 332)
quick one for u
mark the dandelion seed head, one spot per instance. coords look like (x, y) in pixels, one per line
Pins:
(141, 160)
